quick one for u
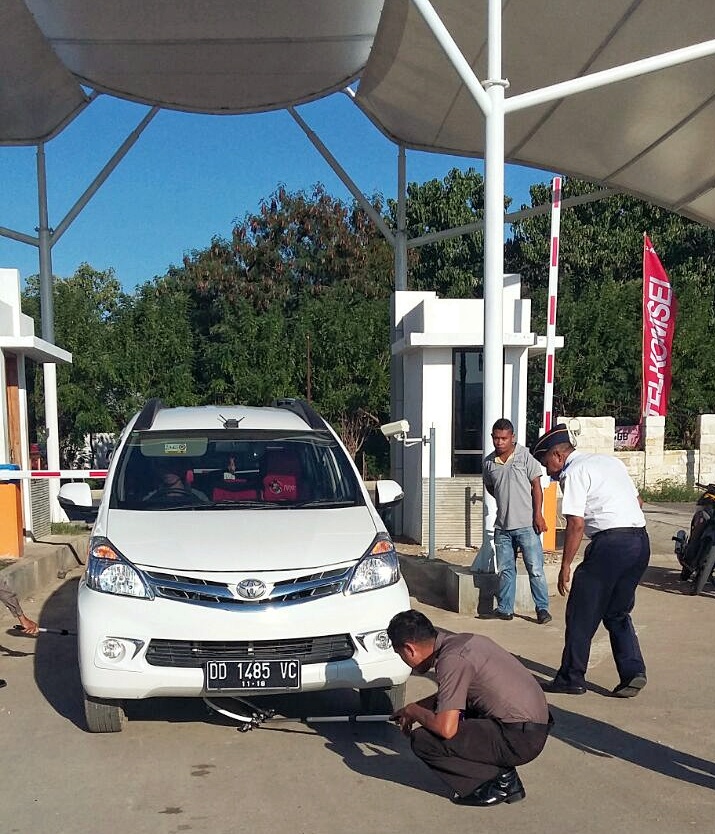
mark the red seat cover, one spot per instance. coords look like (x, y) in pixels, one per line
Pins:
(281, 481)
(238, 490)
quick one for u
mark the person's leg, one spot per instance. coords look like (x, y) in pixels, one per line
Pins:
(478, 753)
(533, 555)
(473, 756)
(633, 552)
(506, 568)
(591, 587)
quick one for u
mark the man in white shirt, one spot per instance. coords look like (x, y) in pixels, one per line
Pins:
(600, 501)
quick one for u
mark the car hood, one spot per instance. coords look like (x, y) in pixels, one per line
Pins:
(242, 540)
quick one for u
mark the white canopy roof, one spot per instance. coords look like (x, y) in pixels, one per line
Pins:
(650, 135)
(222, 56)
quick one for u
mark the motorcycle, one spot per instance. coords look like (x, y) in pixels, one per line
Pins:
(696, 552)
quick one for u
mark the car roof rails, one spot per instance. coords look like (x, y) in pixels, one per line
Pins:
(303, 410)
(148, 414)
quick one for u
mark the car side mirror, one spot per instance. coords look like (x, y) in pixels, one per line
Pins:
(388, 493)
(76, 501)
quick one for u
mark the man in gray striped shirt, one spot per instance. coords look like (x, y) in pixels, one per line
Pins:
(513, 477)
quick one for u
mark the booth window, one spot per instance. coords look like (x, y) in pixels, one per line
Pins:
(468, 375)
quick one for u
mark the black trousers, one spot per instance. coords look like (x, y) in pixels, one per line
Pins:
(603, 590)
(480, 750)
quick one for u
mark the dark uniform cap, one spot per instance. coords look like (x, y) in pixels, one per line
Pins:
(553, 437)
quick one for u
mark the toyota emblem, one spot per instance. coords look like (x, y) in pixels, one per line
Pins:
(251, 588)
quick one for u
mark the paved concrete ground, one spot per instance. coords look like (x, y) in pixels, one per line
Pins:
(644, 765)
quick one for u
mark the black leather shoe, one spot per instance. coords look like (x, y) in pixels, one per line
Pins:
(629, 689)
(500, 615)
(2, 683)
(559, 688)
(511, 784)
(543, 616)
(507, 787)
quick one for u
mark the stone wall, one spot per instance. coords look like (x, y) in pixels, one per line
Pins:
(654, 464)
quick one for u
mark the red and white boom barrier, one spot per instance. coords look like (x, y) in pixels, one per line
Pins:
(551, 314)
(31, 474)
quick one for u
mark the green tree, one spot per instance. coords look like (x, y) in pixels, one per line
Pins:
(453, 268)
(154, 347)
(350, 368)
(303, 267)
(85, 307)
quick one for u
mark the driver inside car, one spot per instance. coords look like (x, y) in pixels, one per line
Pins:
(172, 487)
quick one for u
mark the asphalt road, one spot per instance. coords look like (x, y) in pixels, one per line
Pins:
(643, 765)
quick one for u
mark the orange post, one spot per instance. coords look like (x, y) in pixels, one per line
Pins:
(550, 517)
(12, 541)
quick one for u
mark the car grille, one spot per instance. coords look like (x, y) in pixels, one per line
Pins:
(203, 591)
(194, 653)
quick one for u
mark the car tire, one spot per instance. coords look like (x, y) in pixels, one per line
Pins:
(383, 700)
(103, 715)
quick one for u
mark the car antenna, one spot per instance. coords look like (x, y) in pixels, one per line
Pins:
(230, 422)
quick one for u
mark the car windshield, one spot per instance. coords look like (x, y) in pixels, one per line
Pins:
(230, 469)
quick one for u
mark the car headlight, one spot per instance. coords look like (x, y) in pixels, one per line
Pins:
(108, 571)
(378, 568)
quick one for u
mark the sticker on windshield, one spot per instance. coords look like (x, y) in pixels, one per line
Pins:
(175, 448)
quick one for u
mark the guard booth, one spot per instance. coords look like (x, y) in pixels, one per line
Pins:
(438, 368)
(18, 345)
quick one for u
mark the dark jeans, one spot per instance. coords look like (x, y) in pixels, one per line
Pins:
(481, 749)
(603, 590)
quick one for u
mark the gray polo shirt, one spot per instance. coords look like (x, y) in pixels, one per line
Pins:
(510, 484)
(477, 675)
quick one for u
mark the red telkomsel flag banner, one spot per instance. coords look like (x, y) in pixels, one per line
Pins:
(660, 309)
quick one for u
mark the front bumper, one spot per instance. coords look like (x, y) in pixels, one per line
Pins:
(133, 623)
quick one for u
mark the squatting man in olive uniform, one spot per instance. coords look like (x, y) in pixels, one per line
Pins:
(487, 716)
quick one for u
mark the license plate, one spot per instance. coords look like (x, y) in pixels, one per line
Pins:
(252, 674)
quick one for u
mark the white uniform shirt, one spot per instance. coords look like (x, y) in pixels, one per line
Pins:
(598, 489)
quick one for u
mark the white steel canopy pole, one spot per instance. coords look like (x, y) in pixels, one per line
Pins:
(490, 98)
(47, 316)
(551, 307)
(493, 257)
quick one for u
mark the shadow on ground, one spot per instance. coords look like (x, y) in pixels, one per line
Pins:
(57, 677)
(376, 750)
(56, 667)
(667, 580)
(381, 752)
(608, 741)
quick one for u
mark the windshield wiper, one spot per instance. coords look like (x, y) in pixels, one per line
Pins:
(236, 505)
(322, 502)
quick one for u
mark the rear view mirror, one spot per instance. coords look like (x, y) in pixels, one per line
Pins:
(388, 493)
(76, 501)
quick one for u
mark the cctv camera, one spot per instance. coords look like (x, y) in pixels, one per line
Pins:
(398, 429)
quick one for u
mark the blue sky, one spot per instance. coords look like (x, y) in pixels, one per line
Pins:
(189, 177)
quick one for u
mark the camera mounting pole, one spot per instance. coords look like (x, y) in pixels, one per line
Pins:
(428, 441)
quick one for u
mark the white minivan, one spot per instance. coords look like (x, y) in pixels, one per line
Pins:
(236, 551)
